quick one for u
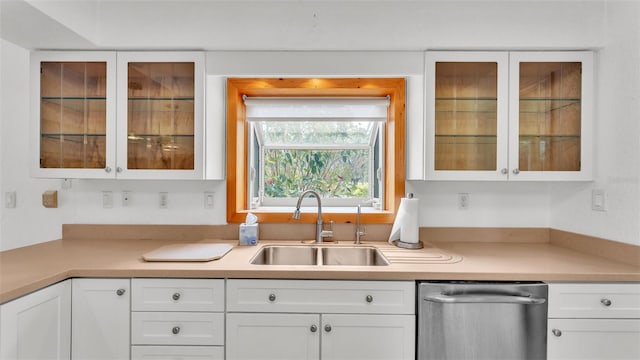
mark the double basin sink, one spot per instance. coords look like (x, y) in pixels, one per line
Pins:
(319, 255)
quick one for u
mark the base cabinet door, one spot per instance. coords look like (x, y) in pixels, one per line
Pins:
(593, 339)
(273, 336)
(38, 325)
(354, 337)
(100, 319)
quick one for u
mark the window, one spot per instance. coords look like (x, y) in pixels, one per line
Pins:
(341, 137)
(330, 145)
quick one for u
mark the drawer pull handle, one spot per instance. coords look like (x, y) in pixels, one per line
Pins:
(175, 330)
(120, 292)
(327, 328)
(369, 298)
(556, 332)
(176, 296)
(605, 302)
(313, 328)
(272, 297)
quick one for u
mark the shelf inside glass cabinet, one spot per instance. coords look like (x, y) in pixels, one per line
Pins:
(465, 152)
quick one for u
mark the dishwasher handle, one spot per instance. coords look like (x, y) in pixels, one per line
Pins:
(485, 298)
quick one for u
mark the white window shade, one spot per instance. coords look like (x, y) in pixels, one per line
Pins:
(316, 109)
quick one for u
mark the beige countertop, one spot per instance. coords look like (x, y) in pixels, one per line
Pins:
(30, 268)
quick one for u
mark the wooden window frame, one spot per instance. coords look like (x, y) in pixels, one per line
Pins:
(237, 137)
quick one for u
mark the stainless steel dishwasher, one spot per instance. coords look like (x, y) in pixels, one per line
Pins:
(482, 320)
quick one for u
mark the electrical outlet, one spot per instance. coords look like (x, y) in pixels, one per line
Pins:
(107, 199)
(463, 201)
(208, 200)
(163, 200)
(126, 198)
(10, 199)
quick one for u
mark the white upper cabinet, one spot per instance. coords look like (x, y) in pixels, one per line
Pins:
(508, 115)
(73, 118)
(152, 129)
(160, 115)
(467, 115)
(550, 111)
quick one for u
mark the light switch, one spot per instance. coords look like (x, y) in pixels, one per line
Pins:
(10, 199)
(598, 200)
(107, 199)
(208, 200)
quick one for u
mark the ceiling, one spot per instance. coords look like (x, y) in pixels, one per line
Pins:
(300, 25)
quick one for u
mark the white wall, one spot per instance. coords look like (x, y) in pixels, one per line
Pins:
(29, 222)
(437, 24)
(617, 138)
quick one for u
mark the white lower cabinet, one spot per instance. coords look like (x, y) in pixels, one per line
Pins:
(594, 321)
(318, 319)
(177, 352)
(37, 325)
(273, 336)
(100, 319)
(177, 319)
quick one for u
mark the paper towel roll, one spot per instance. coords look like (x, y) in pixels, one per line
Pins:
(405, 227)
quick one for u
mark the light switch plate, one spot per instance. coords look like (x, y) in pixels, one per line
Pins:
(598, 200)
(107, 199)
(10, 199)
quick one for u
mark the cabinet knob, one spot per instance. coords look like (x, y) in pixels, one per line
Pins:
(605, 302)
(107, 169)
(369, 298)
(327, 328)
(120, 292)
(504, 171)
(557, 332)
(313, 328)
(175, 330)
(516, 171)
(176, 296)
(118, 169)
(272, 297)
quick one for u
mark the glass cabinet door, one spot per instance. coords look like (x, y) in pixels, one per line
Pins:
(550, 114)
(466, 115)
(74, 114)
(163, 115)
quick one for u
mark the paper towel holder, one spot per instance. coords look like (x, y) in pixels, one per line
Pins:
(406, 245)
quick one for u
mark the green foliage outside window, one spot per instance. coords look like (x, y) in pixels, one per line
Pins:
(341, 173)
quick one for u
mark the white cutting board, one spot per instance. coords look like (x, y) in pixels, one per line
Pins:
(188, 252)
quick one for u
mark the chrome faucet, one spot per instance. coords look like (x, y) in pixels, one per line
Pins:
(320, 232)
(360, 229)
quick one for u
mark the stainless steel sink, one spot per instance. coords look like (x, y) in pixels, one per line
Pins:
(356, 256)
(319, 255)
(286, 255)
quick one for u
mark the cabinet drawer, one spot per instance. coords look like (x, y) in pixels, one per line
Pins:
(172, 328)
(177, 295)
(371, 297)
(593, 339)
(594, 300)
(177, 352)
